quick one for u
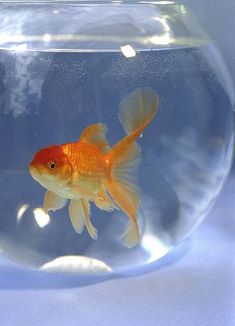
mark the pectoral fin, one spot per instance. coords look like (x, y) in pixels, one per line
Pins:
(53, 202)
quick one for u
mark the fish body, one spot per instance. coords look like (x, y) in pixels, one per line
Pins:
(89, 170)
(88, 167)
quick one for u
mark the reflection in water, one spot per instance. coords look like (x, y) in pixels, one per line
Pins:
(41, 217)
(196, 176)
(25, 83)
(76, 264)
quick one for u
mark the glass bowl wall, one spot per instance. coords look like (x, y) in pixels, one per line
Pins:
(65, 65)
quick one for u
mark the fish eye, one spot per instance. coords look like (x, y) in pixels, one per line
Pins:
(51, 165)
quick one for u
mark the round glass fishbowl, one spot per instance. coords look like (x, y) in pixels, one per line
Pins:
(115, 131)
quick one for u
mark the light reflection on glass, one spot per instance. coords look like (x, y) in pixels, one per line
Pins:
(183, 10)
(164, 24)
(165, 2)
(76, 264)
(128, 51)
(158, 2)
(41, 217)
(164, 39)
(161, 40)
(47, 37)
(20, 48)
(23, 208)
(155, 247)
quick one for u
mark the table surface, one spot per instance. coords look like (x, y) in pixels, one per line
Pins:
(193, 285)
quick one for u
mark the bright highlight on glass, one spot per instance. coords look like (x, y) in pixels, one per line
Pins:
(21, 212)
(41, 217)
(160, 40)
(165, 38)
(76, 264)
(153, 246)
(128, 51)
(47, 37)
(159, 2)
(20, 48)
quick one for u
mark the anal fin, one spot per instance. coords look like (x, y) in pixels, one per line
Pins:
(77, 215)
(79, 212)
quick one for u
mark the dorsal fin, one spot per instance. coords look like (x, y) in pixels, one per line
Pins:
(95, 134)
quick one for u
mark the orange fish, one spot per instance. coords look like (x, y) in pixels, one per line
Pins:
(88, 170)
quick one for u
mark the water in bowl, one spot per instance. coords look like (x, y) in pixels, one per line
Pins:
(51, 97)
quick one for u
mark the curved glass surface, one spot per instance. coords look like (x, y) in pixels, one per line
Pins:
(67, 65)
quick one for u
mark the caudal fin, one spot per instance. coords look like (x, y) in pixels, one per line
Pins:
(122, 187)
(136, 112)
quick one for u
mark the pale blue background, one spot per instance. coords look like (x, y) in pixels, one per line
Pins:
(194, 285)
(217, 18)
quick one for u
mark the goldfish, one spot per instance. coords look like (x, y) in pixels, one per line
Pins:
(90, 171)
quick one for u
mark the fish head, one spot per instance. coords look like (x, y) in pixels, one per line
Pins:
(51, 167)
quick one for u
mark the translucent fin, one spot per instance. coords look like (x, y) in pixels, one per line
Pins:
(77, 215)
(126, 196)
(136, 112)
(79, 212)
(122, 188)
(95, 134)
(138, 109)
(104, 202)
(90, 228)
(131, 235)
(53, 202)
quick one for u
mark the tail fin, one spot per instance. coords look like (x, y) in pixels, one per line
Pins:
(136, 112)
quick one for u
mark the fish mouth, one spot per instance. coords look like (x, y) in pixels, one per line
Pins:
(32, 168)
(34, 171)
(39, 175)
